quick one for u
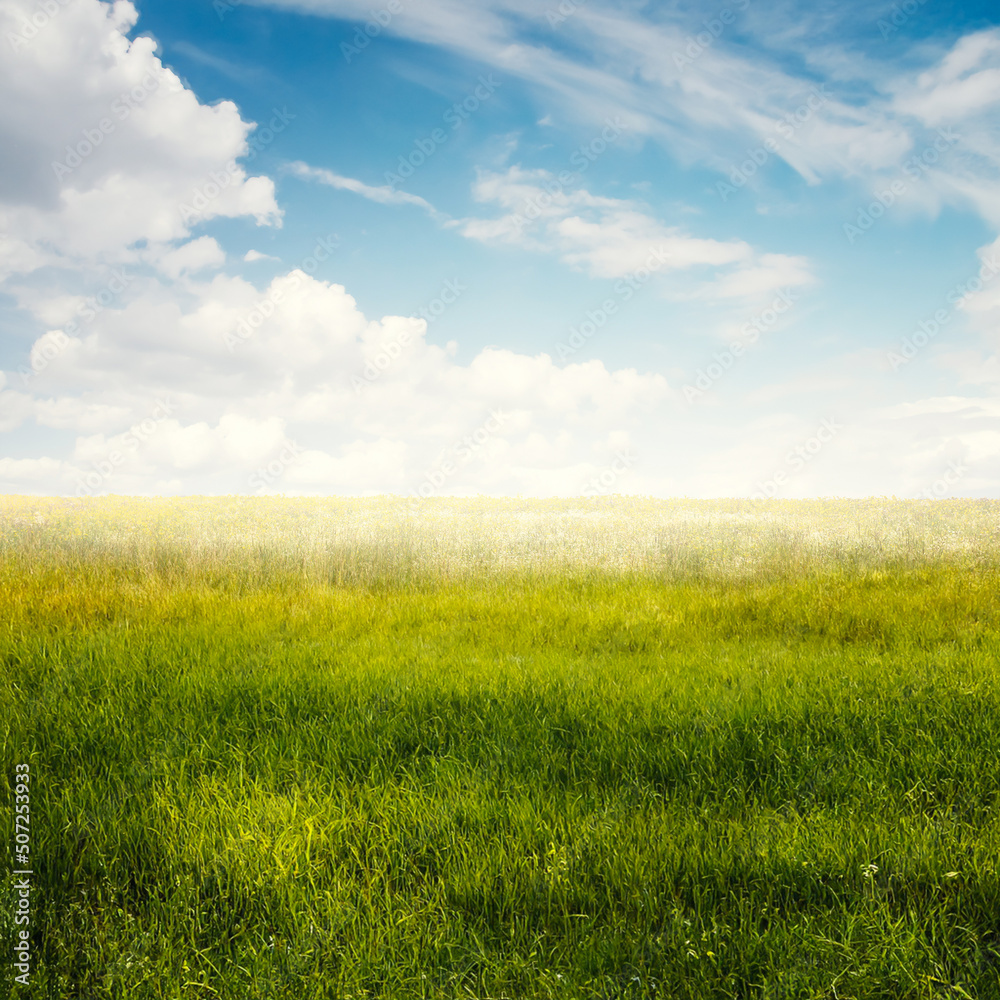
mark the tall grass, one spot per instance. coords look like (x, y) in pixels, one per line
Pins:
(349, 749)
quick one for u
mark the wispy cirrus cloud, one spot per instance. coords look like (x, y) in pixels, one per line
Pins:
(704, 95)
(611, 237)
(607, 237)
(194, 374)
(382, 194)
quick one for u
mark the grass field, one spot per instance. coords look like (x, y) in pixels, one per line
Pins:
(290, 748)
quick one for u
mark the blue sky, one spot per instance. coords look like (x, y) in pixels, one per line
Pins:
(668, 249)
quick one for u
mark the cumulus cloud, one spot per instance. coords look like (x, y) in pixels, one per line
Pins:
(298, 362)
(290, 388)
(89, 171)
(198, 255)
(178, 377)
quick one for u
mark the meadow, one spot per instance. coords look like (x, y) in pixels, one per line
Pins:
(605, 748)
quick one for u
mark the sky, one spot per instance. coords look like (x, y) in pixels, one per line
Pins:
(437, 247)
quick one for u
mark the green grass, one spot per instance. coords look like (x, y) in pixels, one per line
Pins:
(264, 773)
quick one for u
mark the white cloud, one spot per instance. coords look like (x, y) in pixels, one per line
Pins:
(620, 62)
(611, 237)
(383, 194)
(959, 96)
(104, 147)
(31, 475)
(198, 255)
(980, 304)
(711, 103)
(195, 408)
(964, 84)
(186, 381)
(160, 403)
